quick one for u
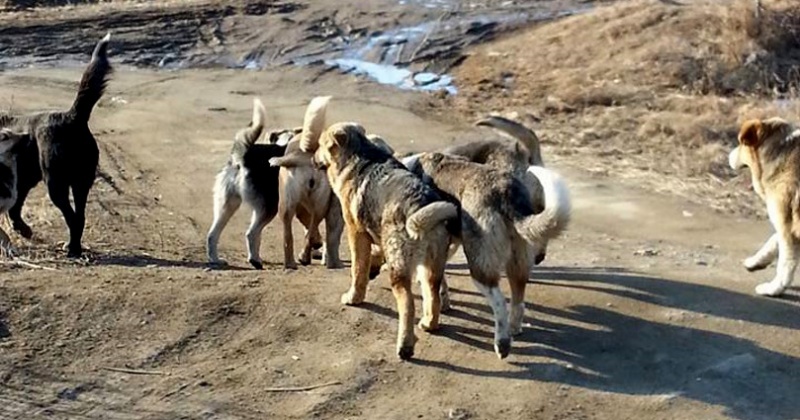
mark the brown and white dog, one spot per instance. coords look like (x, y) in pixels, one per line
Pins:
(771, 149)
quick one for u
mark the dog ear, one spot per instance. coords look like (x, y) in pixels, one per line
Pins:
(751, 133)
(340, 136)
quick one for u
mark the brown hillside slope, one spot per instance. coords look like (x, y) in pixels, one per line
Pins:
(651, 87)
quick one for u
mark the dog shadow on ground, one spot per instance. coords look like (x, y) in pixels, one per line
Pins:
(146, 260)
(602, 349)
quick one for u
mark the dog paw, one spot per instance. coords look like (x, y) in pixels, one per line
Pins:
(316, 254)
(276, 161)
(258, 265)
(290, 265)
(772, 288)
(304, 259)
(405, 352)
(23, 230)
(351, 299)
(334, 265)
(502, 347)
(217, 264)
(754, 264)
(427, 325)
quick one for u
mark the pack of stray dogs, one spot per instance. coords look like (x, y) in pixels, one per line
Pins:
(404, 215)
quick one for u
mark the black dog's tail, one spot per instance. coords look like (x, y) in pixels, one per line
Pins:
(93, 82)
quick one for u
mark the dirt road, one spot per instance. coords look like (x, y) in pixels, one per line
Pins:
(641, 311)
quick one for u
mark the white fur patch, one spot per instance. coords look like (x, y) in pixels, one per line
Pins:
(733, 159)
(498, 303)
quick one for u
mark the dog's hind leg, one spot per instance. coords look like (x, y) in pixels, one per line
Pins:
(59, 195)
(258, 221)
(334, 226)
(490, 289)
(224, 208)
(287, 215)
(308, 240)
(80, 195)
(518, 271)
(15, 213)
(765, 256)
(430, 276)
(401, 288)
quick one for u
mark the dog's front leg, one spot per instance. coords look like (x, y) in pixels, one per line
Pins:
(360, 247)
(765, 256)
(401, 288)
(287, 215)
(787, 264)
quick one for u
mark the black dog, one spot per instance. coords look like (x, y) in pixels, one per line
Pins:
(62, 151)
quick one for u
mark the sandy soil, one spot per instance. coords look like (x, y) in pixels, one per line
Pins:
(641, 311)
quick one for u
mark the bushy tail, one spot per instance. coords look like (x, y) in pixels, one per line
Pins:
(93, 82)
(426, 218)
(314, 123)
(250, 135)
(518, 132)
(555, 218)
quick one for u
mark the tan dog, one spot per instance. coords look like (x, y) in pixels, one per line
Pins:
(385, 204)
(771, 149)
(306, 193)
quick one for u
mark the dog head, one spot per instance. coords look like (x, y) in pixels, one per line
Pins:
(381, 143)
(9, 139)
(337, 141)
(283, 137)
(763, 143)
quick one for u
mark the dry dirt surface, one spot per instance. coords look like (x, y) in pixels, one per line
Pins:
(642, 310)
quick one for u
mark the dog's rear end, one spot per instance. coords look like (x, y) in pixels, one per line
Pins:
(66, 151)
(247, 177)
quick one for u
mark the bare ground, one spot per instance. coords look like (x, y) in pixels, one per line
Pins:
(641, 311)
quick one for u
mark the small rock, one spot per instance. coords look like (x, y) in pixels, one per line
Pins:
(295, 358)
(647, 252)
(458, 414)
(687, 214)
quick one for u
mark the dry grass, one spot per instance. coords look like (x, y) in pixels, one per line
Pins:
(654, 89)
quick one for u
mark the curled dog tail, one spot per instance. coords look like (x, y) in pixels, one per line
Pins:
(250, 135)
(518, 132)
(426, 218)
(93, 82)
(551, 222)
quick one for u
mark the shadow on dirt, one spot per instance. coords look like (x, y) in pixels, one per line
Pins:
(142, 260)
(4, 331)
(602, 349)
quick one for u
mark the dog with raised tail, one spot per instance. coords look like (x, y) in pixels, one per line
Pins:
(248, 177)
(62, 151)
(385, 204)
(499, 228)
